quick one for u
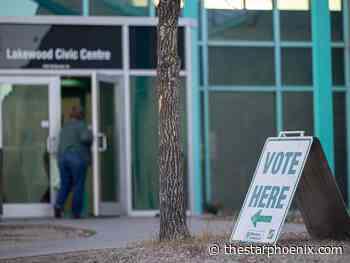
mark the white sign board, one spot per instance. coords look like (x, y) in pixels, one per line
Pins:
(272, 189)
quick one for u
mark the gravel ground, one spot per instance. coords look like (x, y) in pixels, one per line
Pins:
(195, 250)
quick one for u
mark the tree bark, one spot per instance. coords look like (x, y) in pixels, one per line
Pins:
(171, 192)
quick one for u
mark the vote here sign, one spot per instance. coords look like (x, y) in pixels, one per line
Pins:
(272, 189)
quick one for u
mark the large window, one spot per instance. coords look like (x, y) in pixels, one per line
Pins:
(119, 8)
(296, 66)
(295, 19)
(237, 65)
(257, 79)
(340, 142)
(239, 20)
(74, 7)
(143, 47)
(36, 7)
(235, 143)
(298, 104)
(144, 124)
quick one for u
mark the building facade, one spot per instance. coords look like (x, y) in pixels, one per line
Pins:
(250, 69)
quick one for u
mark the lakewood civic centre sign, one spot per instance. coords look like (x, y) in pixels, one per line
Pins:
(272, 189)
(49, 46)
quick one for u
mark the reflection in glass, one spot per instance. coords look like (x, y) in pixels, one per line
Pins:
(296, 66)
(119, 8)
(145, 38)
(31, 8)
(340, 142)
(293, 5)
(239, 25)
(144, 123)
(298, 104)
(60, 7)
(238, 4)
(241, 66)
(295, 25)
(338, 75)
(223, 4)
(336, 20)
(250, 22)
(335, 5)
(234, 145)
(25, 167)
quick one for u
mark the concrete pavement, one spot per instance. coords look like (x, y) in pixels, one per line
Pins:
(110, 233)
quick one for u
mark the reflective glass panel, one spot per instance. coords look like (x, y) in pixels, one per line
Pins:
(144, 125)
(340, 141)
(143, 47)
(293, 5)
(296, 66)
(109, 159)
(26, 163)
(338, 76)
(119, 8)
(295, 19)
(241, 66)
(31, 8)
(336, 19)
(239, 20)
(298, 112)
(335, 5)
(235, 144)
(238, 4)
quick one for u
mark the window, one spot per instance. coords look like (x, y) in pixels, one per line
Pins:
(296, 66)
(235, 143)
(241, 66)
(298, 104)
(32, 7)
(143, 47)
(295, 19)
(119, 8)
(234, 20)
(144, 141)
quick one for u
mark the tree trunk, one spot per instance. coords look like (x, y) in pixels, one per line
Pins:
(171, 192)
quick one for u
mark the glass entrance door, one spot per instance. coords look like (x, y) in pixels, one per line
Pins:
(107, 151)
(29, 124)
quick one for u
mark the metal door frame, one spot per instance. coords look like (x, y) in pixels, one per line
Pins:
(54, 102)
(105, 208)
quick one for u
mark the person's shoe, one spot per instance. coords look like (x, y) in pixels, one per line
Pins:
(58, 212)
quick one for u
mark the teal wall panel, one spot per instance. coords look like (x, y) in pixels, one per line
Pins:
(322, 77)
(191, 10)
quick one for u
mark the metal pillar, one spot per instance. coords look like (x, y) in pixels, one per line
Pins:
(191, 11)
(322, 77)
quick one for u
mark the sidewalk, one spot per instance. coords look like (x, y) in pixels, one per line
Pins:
(110, 233)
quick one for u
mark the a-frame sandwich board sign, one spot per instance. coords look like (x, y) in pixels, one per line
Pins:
(291, 166)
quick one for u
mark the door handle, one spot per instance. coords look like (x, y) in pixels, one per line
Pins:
(102, 147)
(48, 145)
(51, 146)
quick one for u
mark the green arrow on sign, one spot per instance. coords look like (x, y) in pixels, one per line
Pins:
(257, 217)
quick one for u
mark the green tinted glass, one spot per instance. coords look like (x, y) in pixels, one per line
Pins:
(25, 159)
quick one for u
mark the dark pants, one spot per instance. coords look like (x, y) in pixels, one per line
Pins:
(72, 173)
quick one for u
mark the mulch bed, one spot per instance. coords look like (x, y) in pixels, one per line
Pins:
(194, 250)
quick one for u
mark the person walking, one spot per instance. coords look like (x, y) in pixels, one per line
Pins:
(74, 157)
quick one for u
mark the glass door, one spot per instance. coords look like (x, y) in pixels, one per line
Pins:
(107, 149)
(29, 124)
